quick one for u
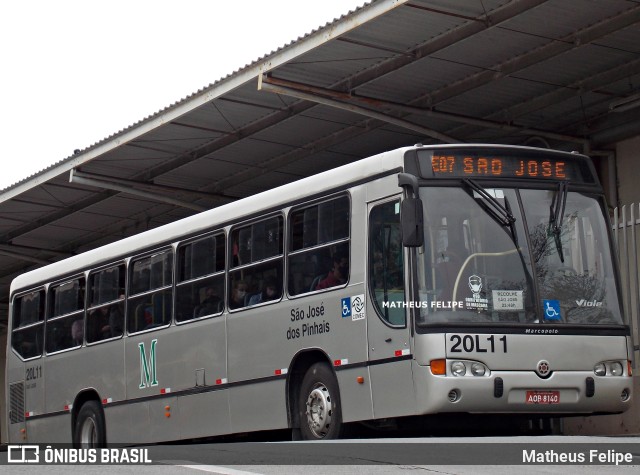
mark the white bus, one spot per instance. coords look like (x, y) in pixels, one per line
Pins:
(429, 279)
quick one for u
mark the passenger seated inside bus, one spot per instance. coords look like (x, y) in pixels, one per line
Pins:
(210, 304)
(77, 332)
(269, 292)
(338, 273)
(111, 320)
(238, 294)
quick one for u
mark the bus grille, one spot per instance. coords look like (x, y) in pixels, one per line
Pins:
(16, 401)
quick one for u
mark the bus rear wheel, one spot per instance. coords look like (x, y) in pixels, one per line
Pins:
(90, 431)
(319, 404)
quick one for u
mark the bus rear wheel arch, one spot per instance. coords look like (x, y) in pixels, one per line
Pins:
(90, 429)
(320, 411)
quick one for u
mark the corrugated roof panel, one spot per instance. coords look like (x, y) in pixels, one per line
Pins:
(416, 79)
(406, 27)
(559, 18)
(328, 66)
(494, 97)
(575, 65)
(626, 39)
(490, 47)
(299, 133)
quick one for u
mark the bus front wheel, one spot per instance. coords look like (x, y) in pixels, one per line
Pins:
(319, 404)
(90, 426)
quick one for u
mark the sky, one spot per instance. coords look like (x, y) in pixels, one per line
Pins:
(74, 72)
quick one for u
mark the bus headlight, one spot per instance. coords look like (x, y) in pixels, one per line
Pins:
(478, 369)
(458, 368)
(616, 369)
(609, 368)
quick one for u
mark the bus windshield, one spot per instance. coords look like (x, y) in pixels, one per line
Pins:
(505, 255)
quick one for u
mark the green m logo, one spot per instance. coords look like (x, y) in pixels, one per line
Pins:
(148, 376)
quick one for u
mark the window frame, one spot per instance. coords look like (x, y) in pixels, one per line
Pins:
(223, 273)
(68, 315)
(315, 247)
(231, 269)
(17, 295)
(129, 281)
(91, 273)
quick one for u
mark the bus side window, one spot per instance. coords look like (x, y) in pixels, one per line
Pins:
(28, 323)
(65, 319)
(386, 262)
(150, 297)
(200, 281)
(256, 277)
(105, 312)
(319, 246)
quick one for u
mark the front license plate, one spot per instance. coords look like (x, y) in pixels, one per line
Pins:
(543, 397)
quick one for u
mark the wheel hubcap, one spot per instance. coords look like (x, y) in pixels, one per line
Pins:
(89, 433)
(319, 410)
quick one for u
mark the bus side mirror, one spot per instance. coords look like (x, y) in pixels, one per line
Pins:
(412, 222)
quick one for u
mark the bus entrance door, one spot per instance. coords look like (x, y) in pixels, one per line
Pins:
(389, 339)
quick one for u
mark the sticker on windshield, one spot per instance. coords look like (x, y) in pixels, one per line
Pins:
(507, 300)
(476, 302)
(551, 310)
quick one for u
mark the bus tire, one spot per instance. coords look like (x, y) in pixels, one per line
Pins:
(319, 404)
(90, 430)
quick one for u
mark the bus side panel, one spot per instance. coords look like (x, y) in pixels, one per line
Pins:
(205, 414)
(99, 368)
(260, 406)
(355, 397)
(50, 430)
(396, 396)
(185, 357)
(128, 424)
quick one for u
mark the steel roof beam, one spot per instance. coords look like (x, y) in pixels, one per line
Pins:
(150, 186)
(409, 109)
(359, 110)
(75, 178)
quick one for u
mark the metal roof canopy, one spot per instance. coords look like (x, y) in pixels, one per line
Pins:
(562, 73)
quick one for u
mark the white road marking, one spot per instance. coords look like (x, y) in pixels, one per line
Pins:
(207, 468)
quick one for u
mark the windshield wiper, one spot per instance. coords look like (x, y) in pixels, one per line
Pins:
(556, 216)
(500, 213)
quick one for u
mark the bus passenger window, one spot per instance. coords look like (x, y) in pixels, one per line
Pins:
(200, 285)
(319, 246)
(105, 312)
(256, 270)
(65, 320)
(28, 324)
(150, 297)
(386, 262)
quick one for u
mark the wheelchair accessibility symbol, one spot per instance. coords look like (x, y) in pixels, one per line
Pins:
(346, 307)
(353, 307)
(552, 310)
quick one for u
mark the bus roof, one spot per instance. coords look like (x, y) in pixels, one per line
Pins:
(232, 212)
(205, 221)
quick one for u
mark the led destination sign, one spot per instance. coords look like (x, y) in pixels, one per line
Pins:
(502, 164)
